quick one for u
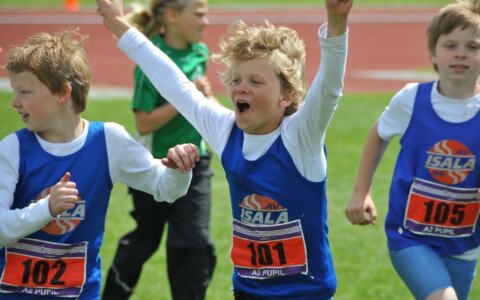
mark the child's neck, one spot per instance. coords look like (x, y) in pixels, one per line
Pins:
(175, 41)
(458, 90)
(65, 134)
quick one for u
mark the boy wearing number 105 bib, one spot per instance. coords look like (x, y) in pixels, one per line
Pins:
(58, 173)
(432, 222)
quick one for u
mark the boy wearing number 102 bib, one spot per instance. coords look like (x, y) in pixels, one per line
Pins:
(432, 222)
(58, 173)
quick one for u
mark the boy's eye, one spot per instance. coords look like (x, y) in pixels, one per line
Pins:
(20, 92)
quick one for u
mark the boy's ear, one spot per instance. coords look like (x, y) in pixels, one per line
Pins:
(287, 98)
(65, 94)
(432, 57)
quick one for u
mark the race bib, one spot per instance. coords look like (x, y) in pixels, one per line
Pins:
(441, 210)
(266, 251)
(44, 268)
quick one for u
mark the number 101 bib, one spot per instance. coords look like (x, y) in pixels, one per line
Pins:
(265, 251)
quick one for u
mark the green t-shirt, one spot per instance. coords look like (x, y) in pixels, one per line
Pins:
(192, 61)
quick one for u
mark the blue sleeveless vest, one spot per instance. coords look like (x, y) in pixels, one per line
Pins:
(82, 225)
(280, 234)
(432, 194)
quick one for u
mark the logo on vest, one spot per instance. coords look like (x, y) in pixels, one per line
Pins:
(258, 209)
(68, 220)
(450, 161)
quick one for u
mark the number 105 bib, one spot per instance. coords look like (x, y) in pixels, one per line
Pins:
(441, 210)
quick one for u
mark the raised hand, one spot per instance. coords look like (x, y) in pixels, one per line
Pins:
(338, 11)
(63, 196)
(182, 157)
(113, 16)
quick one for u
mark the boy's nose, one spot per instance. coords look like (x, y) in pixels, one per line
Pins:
(205, 21)
(460, 52)
(15, 103)
(241, 87)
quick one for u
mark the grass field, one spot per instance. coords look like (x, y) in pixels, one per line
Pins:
(360, 256)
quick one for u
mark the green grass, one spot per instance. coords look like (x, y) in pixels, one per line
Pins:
(91, 3)
(360, 255)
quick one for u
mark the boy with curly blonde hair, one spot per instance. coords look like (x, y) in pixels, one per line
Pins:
(271, 146)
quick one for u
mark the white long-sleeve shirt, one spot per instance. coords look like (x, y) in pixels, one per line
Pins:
(128, 162)
(303, 132)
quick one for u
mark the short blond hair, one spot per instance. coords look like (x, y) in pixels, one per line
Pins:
(56, 60)
(282, 45)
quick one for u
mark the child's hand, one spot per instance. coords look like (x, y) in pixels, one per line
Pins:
(182, 157)
(359, 207)
(338, 11)
(113, 16)
(203, 85)
(340, 8)
(63, 195)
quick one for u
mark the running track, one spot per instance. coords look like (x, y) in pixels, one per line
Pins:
(387, 47)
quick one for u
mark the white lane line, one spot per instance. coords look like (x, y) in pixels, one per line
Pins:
(402, 75)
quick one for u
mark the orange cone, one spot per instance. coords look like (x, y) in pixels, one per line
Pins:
(71, 5)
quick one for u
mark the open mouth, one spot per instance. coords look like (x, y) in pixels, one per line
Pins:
(242, 106)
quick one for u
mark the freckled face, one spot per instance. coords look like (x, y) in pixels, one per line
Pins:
(257, 96)
(457, 55)
(34, 102)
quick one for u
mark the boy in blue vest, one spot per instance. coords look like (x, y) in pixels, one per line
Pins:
(432, 224)
(271, 146)
(58, 172)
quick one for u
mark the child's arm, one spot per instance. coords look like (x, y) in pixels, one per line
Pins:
(361, 202)
(17, 223)
(132, 164)
(305, 134)
(206, 116)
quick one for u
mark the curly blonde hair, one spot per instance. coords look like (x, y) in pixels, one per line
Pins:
(56, 60)
(282, 45)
